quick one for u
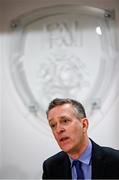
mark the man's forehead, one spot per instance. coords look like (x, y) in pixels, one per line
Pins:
(60, 111)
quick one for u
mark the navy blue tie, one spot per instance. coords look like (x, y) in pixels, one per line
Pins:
(79, 170)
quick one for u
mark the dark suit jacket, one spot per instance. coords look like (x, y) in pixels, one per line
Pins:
(105, 164)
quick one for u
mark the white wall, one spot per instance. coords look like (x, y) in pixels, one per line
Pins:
(25, 143)
(0, 91)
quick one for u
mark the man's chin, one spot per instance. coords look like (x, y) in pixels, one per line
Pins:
(65, 149)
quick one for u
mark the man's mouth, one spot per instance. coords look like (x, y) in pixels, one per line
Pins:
(63, 139)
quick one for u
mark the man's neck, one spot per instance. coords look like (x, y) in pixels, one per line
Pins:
(77, 153)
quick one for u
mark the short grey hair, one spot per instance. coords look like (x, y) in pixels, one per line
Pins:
(77, 106)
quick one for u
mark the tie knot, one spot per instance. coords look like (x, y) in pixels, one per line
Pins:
(79, 171)
(77, 163)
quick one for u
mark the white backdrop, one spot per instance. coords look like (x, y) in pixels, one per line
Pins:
(24, 140)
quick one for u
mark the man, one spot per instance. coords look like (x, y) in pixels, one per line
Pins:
(69, 124)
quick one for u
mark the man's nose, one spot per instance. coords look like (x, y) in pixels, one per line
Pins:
(60, 128)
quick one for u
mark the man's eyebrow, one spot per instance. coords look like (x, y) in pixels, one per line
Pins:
(64, 117)
(50, 120)
(60, 117)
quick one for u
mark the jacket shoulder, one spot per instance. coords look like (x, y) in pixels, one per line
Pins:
(105, 151)
(111, 153)
(57, 167)
(57, 158)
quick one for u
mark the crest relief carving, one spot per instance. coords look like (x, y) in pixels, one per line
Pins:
(63, 51)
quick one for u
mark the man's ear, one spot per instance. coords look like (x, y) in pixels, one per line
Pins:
(85, 124)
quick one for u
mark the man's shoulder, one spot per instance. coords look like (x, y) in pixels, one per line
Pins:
(106, 152)
(111, 152)
(57, 167)
(56, 158)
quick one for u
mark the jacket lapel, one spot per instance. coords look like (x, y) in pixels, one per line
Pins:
(66, 168)
(98, 167)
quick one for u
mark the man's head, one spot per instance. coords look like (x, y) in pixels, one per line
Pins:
(77, 106)
(67, 119)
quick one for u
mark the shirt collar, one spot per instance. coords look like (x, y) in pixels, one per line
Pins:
(86, 156)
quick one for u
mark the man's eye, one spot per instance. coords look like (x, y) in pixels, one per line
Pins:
(52, 126)
(66, 121)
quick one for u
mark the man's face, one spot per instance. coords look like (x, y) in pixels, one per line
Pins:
(68, 130)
